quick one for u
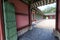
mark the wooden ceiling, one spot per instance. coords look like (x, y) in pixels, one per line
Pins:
(34, 1)
(42, 2)
(30, 1)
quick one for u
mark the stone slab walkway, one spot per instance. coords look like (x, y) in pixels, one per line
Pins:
(43, 30)
(38, 34)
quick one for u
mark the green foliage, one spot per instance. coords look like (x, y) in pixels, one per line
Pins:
(50, 10)
(38, 16)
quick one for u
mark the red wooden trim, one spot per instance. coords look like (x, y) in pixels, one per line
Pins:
(2, 28)
(57, 15)
(21, 14)
(18, 29)
(49, 1)
(46, 2)
(30, 21)
(2, 20)
(24, 2)
(43, 2)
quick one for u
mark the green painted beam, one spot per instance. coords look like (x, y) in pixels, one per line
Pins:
(41, 3)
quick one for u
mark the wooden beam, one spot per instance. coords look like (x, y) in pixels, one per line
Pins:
(44, 2)
(30, 19)
(24, 2)
(24, 14)
(2, 21)
(57, 15)
(38, 3)
(52, 1)
(18, 29)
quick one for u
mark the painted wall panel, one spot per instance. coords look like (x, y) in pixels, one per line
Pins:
(51, 16)
(21, 8)
(21, 21)
(54, 16)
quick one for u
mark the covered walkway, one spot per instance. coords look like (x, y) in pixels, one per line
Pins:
(39, 32)
(16, 18)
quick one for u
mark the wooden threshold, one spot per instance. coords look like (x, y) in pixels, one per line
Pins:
(18, 29)
(21, 14)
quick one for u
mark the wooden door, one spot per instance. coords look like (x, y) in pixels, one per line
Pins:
(9, 21)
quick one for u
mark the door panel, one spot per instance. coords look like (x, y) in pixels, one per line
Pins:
(21, 21)
(9, 21)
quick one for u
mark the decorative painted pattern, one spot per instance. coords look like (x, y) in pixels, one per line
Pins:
(42, 2)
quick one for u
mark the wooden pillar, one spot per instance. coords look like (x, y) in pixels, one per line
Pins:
(34, 15)
(30, 14)
(58, 16)
(1, 22)
(56, 32)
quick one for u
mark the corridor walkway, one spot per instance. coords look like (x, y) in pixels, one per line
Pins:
(38, 33)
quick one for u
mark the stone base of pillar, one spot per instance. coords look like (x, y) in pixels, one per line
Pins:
(56, 34)
(30, 28)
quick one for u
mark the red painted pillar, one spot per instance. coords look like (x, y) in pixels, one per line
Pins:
(1, 22)
(58, 16)
(34, 15)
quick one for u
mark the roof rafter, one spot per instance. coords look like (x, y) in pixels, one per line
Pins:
(42, 2)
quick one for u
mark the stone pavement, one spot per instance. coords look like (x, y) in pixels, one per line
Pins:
(47, 23)
(38, 34)
(42, 30)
